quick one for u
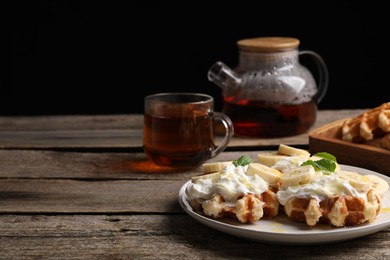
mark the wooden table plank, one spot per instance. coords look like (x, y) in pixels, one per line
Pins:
(116, 131)
(97, 166)
(70, 122)
(75, 196)
(157, 236)
(65, 182)
(93, 166)
(72, 139)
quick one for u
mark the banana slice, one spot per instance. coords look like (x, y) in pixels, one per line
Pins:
(270, 159)
(205, 176)
(379, 185)
(270, 175)
(315, 158)
(298, 176)
(215, 166)
(292, 151)
(359, 182)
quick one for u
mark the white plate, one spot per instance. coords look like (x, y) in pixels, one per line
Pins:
(282, 230)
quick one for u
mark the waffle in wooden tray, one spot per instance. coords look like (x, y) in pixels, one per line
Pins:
(362, 141)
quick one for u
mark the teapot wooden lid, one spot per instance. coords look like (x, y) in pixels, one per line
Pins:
(268, 44)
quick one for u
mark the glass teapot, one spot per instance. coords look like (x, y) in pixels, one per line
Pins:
(269, 93)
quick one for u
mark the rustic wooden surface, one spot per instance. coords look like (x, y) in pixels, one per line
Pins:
(79, 187)
(120, 132)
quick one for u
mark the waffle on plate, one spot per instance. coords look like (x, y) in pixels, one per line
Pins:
(307, 188)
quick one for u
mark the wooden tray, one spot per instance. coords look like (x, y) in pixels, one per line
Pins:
(328, 139)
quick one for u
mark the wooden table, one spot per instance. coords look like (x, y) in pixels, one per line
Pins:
(81, 187)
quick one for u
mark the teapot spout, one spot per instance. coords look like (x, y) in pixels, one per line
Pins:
(223, 76)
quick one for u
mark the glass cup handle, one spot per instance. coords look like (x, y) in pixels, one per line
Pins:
(229, 131)
(323, 74)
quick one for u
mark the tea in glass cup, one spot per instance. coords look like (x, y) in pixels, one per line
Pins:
(179, 129)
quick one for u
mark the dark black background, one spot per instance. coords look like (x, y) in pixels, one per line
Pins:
(77, 57)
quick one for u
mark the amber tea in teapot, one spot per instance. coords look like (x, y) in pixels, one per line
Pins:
(270, 94)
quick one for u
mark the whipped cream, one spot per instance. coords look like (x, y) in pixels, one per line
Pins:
(230, 183)
(321, 187)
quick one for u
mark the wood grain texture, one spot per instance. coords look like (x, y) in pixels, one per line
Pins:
(157, 237)
(94, 166)
(76, 196)
(116, 131)
(65, 182)
(80, 198)
(73, 122)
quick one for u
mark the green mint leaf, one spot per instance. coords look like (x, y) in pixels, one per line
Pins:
(312, 163)
(242, 161)
(326, 165)
(326, 155)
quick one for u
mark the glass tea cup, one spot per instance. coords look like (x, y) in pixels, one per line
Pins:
(179, 129)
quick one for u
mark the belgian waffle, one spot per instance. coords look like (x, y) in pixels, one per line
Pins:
(367, 126)
(337, 211)
(247, 209)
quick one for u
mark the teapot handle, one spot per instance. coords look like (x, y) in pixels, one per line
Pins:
(323, 74)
